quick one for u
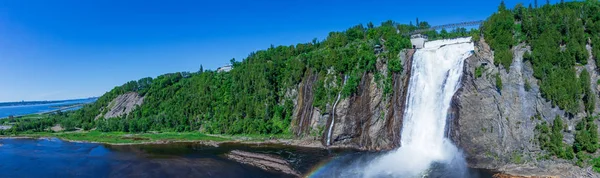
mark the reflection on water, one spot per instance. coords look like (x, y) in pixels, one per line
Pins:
(56, 158)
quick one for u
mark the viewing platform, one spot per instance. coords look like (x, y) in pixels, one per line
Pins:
(418, 41)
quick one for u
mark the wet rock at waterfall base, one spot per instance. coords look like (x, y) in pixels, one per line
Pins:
(263, 161)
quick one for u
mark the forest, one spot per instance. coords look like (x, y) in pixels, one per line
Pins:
(252, 98)
(558, 36)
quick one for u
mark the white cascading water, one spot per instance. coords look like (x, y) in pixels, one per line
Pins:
(333, 111)
(435, 77)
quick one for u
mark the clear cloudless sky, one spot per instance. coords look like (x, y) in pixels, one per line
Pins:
(64, 49)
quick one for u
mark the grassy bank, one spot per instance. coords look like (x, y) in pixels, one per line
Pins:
(140, 138)
(126, 138)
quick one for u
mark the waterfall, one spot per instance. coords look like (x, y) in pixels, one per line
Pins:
(435, 77)
(333, 111)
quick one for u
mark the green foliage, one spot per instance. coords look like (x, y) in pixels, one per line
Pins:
(586, 137)
(596, 164)
(557, 36)
(351, 85)
(252, 98)
(569, 155)
(588, 94)
(556, 137)
(527, 85)
(551, 139)
(394, 67)
(475, 35)
(582, 158)
(498, 83)
(479, 71)
(517, 158)
(454, 33)
(498, 32)
(519, 37)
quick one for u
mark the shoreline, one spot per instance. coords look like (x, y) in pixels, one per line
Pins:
(499, 173)
(207, 142)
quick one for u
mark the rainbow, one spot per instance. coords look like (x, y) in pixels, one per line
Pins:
(319, 169)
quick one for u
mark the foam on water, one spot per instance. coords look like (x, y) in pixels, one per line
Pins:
(435, 77)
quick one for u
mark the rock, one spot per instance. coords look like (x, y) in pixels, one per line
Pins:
(367, 120)
(122, 105)
(495, 128)
(502, 175)
(547, 168)
(5, 127)
(304, 112)
(263, 161)
(57, 128)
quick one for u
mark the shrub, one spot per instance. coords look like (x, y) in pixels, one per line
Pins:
(498, 83)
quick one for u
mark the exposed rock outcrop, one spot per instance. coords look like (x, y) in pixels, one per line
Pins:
(121, 105)
(263, 161)
(305, 112)
(57, 128)
(367, 120)
(495, 128)
(502, 175)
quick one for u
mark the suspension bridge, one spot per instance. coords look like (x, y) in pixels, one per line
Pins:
(448, 26)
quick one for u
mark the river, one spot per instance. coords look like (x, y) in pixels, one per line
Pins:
(20, 110)
(56, 158)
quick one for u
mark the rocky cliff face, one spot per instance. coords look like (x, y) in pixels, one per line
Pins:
(121, 105)
(367, 120)
(495, 128)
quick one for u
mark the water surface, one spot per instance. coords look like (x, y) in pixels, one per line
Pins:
(57, 158)
(19, 110)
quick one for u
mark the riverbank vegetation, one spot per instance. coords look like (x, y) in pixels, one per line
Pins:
(256, 96)
(126, 138)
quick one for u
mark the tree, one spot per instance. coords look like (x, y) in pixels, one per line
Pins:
(498, 83)
(586, 137)
(518, 11)
(417, 21)
(502, 6)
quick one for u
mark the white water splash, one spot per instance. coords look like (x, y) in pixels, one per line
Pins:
(435, 77)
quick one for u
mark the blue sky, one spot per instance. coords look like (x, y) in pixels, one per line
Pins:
(65, 49)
